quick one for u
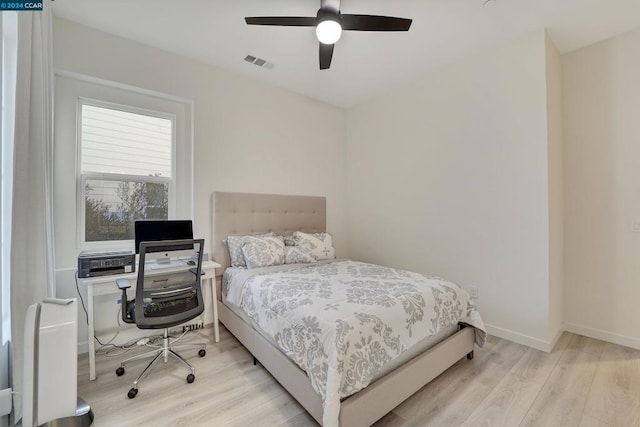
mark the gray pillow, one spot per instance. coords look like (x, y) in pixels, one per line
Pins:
(263, 251)
(234, 246)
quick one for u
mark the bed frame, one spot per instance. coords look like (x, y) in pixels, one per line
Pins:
(243, 214)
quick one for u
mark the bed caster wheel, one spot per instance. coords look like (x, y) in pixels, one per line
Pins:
(470, 356)
(202, 352)
(120, 371)
(132, 393)
(191, 378)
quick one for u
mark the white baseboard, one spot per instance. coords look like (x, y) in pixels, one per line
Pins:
(519, 338)
(599, 334)
(538, 344)
(555, 339)
(83, 346)
(547, 346)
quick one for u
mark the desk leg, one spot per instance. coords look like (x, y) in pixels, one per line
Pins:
(214, 307)
(90, 334)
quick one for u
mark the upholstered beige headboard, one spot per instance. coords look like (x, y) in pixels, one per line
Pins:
(245, 214)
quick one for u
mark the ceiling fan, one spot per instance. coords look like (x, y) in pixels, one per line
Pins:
(329, 23)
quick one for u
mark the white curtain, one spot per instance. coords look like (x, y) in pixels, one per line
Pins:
(32, 275)
(8, 22)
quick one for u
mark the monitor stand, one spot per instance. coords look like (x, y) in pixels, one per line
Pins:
(163, 263)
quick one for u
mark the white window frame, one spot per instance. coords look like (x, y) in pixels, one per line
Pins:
(82, 177)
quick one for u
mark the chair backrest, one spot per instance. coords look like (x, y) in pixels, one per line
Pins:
(169, 294)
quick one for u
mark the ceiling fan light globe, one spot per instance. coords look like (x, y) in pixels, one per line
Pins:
(329, 31)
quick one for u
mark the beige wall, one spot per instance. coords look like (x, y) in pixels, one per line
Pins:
(249, 136)
(556, 189)
(602, 189)
(448, 175)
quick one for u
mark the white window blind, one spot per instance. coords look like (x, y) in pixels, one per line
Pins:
(126, 143)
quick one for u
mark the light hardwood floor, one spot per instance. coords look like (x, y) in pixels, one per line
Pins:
(583, 382)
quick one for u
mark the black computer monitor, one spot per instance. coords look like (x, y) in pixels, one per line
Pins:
(158, 230)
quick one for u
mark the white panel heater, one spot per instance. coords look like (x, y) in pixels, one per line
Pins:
(51, 361)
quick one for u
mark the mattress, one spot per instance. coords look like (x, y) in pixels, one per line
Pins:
(347, 323)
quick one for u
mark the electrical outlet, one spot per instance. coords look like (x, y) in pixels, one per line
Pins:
(192, 326)
(5, 401)
(473, 291)
(635, 226)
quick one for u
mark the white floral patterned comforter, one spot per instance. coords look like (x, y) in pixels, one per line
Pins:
(343, 321)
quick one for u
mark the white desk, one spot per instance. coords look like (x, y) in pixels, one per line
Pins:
(106, 285)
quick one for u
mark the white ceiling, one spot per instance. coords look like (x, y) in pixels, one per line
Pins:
(364, 63)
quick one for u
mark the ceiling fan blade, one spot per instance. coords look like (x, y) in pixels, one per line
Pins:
(374, 23)
(285, 21)
(326, 53)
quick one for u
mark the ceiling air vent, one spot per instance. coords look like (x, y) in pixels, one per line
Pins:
(262, 63)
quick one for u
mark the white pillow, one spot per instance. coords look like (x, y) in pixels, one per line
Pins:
(320, 244)
(297, 255)
(263, 251)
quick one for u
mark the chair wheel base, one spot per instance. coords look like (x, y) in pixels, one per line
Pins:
(202, 352)
(191, 378)
(120, 371)
(132, 393)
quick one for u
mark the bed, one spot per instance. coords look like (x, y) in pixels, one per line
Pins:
(328, 397)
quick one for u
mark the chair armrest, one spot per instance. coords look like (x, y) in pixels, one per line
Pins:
(123, 284)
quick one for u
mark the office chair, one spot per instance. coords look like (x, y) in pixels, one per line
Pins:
(163, 299)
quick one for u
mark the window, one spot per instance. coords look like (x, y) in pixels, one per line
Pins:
(114, 140)
(127, 169)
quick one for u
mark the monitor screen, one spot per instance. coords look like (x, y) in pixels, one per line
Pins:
(158, 230)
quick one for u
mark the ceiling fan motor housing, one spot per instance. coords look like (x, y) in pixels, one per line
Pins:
(328, 26)
(328, 15)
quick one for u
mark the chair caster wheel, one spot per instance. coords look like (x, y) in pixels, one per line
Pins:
(132, 393)
(191, 378)
(120, 371)
(470, 356)
(202, 352)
